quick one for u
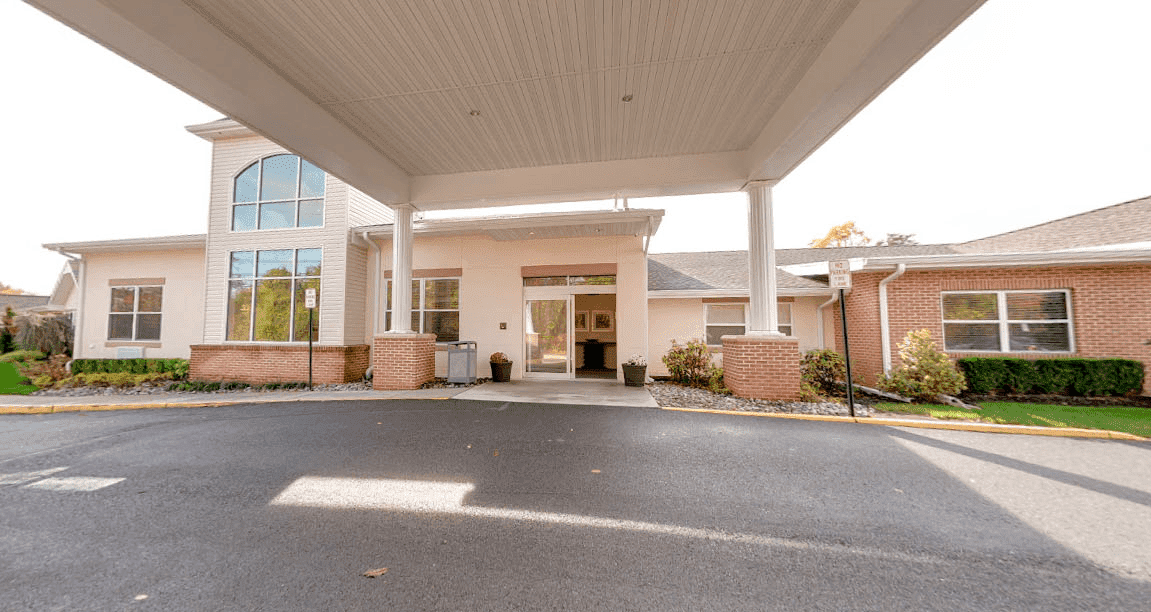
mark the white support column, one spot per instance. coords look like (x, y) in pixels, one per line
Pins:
(764, 319)
(402, 270)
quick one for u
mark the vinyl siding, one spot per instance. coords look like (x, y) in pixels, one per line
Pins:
(229, 157)
(363, 210)
(356, 294)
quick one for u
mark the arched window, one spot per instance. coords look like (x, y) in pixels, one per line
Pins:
(278, 192)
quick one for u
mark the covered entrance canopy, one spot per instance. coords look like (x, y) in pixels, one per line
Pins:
(471, 103)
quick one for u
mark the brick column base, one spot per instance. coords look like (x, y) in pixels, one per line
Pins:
(403, 361)
(762, 367)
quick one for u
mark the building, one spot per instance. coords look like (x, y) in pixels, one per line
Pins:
(564, 295)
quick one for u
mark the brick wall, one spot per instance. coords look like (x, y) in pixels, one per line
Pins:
(1110, 310)
(761, 367)
(263, 363)
(403, 361)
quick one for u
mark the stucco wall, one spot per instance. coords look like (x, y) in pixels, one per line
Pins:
(182, 320)
(491, 286)
(682, 319)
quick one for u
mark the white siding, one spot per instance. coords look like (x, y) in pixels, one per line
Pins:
(229, 157)
(356, 294)
(363, 210)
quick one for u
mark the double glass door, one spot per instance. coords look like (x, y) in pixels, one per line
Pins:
(548, 340)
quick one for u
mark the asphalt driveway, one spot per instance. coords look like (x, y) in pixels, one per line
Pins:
(497, 506)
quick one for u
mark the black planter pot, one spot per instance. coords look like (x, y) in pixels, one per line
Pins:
(502, 371)
(634, 375)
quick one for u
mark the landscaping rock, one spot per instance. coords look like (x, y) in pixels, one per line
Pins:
(669, 394)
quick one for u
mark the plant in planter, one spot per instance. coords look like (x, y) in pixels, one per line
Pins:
(501, 367)
(635, 371)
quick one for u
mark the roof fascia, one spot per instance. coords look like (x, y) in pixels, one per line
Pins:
(665, 294)
(171, 40)
(999, 260)
(220, 130)
(631, 178)
(475, 225)
(877, 43)
(130, 244)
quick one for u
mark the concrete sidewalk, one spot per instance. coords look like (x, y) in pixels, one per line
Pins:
(32, 404)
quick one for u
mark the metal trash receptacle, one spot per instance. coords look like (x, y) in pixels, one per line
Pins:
(462, 361)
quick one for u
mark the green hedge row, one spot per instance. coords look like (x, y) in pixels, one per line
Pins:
(178, 367)
(1053, 376)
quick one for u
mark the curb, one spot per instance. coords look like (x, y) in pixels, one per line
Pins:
(52, 409)
(1032, 430)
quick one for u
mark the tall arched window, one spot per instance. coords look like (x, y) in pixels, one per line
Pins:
(278, 192)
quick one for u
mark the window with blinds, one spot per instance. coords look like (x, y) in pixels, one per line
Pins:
(1007, 321)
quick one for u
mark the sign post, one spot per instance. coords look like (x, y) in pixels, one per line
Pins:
(839, 277)
(310, 304)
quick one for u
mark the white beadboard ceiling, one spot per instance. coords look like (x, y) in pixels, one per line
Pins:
(547, 78)
(455, 103)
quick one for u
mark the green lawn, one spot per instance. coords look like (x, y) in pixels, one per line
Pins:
(1132, 420)
(10, 380)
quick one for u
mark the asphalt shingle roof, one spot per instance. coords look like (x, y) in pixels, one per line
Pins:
(1116, 224)
(713, 270)
(790, 257)
(728, 269)
(22, 302)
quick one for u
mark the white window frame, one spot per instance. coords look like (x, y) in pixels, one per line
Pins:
(1005, 323)
(421, 310)
(252, 304)
(135, 312)
(296, 200)
(746, 317)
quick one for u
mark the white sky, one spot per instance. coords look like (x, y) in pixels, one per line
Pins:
(1031, 110)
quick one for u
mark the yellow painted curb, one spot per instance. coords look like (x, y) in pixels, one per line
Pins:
(107, 407)
(1033, 430)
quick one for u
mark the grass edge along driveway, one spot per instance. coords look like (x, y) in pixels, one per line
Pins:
(1127, 419)
(11, 379)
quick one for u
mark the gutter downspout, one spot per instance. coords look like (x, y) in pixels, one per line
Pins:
(884, 326)
(646, 301)
(819, 317)
(375, 294)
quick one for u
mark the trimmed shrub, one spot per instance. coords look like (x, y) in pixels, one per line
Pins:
(1062, 376)
(820, 370)
(715, 381)
(926, 371)
(22, 356)
(178, 368)
(689, 364)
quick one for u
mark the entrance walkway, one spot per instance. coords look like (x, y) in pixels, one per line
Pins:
(579, 392)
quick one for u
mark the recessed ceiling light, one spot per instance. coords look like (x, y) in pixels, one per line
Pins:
(627, 98)
(475, 113)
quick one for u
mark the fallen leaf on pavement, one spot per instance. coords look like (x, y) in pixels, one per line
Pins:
(376, 572)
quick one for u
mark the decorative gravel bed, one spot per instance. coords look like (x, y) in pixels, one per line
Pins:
(164, 387)
(668, 394)
(154, 388)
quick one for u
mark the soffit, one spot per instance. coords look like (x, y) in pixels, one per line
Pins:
(547, 78)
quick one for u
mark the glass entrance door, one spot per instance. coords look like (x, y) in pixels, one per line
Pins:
(547, 338)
